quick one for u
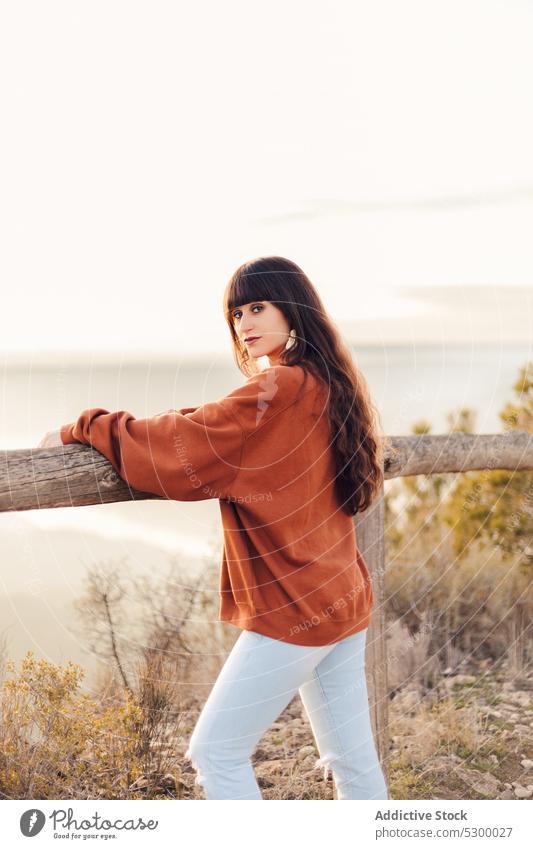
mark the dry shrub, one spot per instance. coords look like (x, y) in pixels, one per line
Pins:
(474, 604)
(410, 663)
(175, 614)
(426, 731)
(58, 743)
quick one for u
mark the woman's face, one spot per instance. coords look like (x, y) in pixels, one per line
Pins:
(266, 321)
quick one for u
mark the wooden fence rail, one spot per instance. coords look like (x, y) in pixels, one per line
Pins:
(78, 475)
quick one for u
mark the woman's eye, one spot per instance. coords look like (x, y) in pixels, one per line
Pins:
(236, 314)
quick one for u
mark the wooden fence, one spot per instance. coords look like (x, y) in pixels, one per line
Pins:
(77, 475)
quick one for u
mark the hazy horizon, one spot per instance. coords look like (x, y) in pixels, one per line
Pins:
(499, 315)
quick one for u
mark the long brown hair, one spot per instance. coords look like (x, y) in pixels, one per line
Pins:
(318, 347)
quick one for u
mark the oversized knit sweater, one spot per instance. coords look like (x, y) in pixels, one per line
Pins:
(291, 568)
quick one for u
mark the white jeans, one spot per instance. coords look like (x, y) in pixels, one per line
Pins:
(258, 680)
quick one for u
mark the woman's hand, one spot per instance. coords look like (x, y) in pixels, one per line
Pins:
(51, 439)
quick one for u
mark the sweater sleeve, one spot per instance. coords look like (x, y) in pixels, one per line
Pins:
(190, 454)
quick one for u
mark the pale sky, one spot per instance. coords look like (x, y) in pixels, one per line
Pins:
(147, 149)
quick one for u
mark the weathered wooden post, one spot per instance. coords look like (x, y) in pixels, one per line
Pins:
(370, 534)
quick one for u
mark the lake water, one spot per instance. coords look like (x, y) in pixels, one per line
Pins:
(44, 554)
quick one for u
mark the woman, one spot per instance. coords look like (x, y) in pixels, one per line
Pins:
(291, 455)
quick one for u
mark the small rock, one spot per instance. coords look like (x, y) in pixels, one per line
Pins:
(459, 680)
(522, 729)
(483, 783)
(520, 698)
(507, 794)
(304, 752)
(523, 792)
(526, 763)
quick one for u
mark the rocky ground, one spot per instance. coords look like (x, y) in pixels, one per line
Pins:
(471, 737)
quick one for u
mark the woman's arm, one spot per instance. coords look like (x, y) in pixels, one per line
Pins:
(189, 454)
(182, 456)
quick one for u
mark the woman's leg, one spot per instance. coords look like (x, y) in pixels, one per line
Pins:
(336, 702)
(258, 680)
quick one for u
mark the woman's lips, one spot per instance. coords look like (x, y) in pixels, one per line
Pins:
(251, 341)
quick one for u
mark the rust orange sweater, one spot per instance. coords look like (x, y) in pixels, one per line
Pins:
(291, 568)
